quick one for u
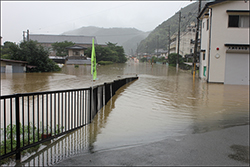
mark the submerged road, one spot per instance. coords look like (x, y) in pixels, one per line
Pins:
(229, 146)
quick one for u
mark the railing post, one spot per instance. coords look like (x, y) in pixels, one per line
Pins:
(18, 152)
(90, 106)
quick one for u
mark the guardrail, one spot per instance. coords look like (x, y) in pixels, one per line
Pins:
(29, 119)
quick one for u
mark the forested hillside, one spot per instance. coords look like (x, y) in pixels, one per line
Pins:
(159, 36)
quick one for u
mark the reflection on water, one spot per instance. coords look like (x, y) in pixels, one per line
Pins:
(162, 103)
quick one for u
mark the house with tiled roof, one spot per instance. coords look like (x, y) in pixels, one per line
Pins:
(47, 40)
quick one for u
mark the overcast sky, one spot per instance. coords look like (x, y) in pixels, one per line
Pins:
(60, 16)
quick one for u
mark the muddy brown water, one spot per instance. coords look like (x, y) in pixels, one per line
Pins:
(162, 103)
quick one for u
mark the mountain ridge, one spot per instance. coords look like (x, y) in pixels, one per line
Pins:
(121, 36)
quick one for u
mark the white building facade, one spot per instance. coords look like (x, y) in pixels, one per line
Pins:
(187, 39)
(224, 56)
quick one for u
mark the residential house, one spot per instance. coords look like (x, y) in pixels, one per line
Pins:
(47, 40)
(13, 66)
(224, 56)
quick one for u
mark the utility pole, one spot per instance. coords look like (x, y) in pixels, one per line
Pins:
(24, 35)
(169, 40)
(178, 49)
(157, 45)
(196, 41)
(28, 35)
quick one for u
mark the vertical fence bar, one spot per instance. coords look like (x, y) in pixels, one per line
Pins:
(77, 115)
(4, 124)
(28, 121)
(54, 113)
(62, 111)
(75, 110)
(72, 111)
(38, 117)
(23, 117)
(51, 113)
(68, 110)
(85, 107)
(42, 116)
(90, 106)
(18, 153)
(65, 116)
(47, 115)
(80, 116)
(11, 124)
(33, 99)
(58, 108)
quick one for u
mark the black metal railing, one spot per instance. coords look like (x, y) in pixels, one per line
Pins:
(29, 119)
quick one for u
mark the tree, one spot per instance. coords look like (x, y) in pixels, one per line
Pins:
(60, 48)
(7, 49)
(35, 55)
(110, 53)
(172, 59)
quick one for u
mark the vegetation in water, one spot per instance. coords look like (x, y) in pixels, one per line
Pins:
(105, 62)
(30, 136)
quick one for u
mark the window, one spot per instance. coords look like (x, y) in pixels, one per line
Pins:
(204, 56)
(203, 24)
(238, 21)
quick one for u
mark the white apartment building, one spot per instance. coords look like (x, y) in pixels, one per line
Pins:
(187, 39)
(224, 56)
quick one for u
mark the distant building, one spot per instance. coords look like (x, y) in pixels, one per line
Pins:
(47, 40)
(187, 41)
(13, 66)
(224, 56)
(160, 53)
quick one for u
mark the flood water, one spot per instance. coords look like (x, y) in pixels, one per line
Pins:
(163, 103)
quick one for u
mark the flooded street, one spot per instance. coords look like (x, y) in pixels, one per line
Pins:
(163, 103)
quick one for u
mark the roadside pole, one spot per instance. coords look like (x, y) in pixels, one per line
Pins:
(196, 41)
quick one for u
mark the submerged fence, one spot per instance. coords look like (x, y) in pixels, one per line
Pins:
(29, 119)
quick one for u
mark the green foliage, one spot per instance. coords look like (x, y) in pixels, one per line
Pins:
(5, 56)
(144, 59)
(162, 59)
(24, 129)
(111, 53)
(105, 62)
(7, 50)
(34, 54)
(172, 59)
(60, 48)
